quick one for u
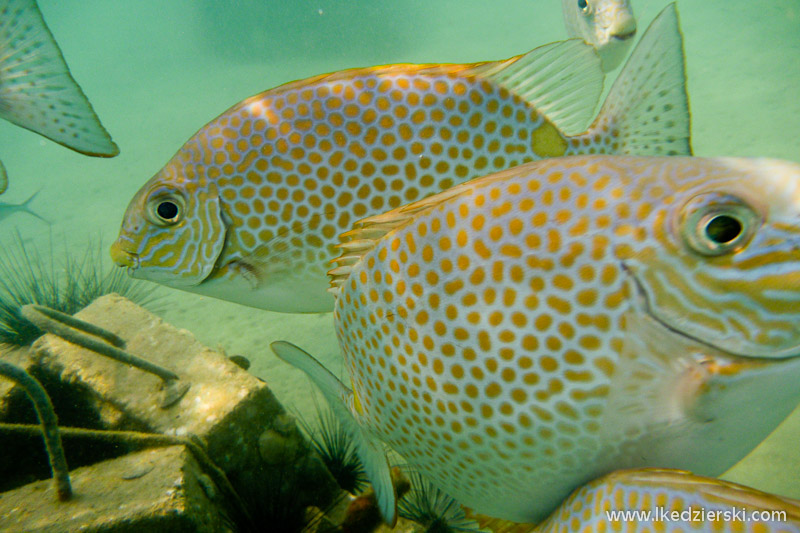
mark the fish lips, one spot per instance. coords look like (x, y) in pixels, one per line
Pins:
(623, 36)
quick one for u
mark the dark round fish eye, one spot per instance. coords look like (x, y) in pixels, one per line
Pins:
(583, 4)
(167, 210)
(723, 229)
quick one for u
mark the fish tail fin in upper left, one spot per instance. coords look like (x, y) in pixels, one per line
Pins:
(647, 109)
(37, 90)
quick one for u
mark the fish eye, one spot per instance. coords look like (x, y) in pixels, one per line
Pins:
(165, 209)
(722, 229)
(583, 5)
(715, 224)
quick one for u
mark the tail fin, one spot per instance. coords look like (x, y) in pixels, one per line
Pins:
(38, 93)
(25, 206)
(648, 106)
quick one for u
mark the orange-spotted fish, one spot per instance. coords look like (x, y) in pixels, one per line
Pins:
(250, 208)
(520, 334)
(671, 501)
(608, 25)
(37, 91)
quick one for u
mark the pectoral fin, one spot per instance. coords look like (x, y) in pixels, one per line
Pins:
(367, 447)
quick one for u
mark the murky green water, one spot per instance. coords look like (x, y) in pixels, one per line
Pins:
(157, 71)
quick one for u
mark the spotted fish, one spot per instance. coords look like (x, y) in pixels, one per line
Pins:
(250, 208)
(37, 92)
(671, 501)
(520, 334)
(608, 25)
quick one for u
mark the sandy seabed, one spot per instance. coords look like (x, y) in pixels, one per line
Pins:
(157, 71)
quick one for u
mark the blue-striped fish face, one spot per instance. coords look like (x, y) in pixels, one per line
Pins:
(722, 263)
(172, 233)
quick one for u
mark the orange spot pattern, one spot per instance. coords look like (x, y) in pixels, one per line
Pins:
(499, 334)
(298, 165)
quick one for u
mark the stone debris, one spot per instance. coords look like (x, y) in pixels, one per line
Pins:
(17, 356)
(245, 430)
(154, 490)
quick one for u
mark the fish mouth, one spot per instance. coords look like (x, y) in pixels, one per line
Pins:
(124, 258)
(624, 36)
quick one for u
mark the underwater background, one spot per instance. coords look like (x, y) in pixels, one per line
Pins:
(156, 72)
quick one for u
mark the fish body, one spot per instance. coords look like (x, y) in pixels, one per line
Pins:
(608, 25)
(6, 210)
(654, 499)
(250, 208)
(672, 501)
(37, 91)
(523, 333)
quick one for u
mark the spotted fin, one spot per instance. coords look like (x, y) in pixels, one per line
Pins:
(648, 106)
(563, 80)
(37, 91)
(368, 449)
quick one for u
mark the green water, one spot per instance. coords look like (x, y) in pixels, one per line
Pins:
(157, 71)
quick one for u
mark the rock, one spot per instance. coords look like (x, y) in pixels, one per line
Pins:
(225, 406)
(8, 389)
(155, 490)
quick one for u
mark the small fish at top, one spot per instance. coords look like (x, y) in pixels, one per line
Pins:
(6, 210)
(37, 91)
(608, 25)
(521, 334)
(250, 208)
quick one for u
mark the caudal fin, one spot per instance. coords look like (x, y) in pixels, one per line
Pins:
(647, 109)
(37, 91)
(25, 206)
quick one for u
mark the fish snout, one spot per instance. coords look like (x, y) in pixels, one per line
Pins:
(123, 257)
(624, 29)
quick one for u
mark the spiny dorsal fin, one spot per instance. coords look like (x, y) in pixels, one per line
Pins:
(37, 91)
(562, 80)
(366, 232)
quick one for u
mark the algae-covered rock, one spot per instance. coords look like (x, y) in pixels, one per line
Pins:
(157, 490)
(245, 430)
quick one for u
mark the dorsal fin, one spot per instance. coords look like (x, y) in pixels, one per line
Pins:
(360, 240)
(562, 80)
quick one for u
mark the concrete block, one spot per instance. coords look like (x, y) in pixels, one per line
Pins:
(225, 406)
(155, 490)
